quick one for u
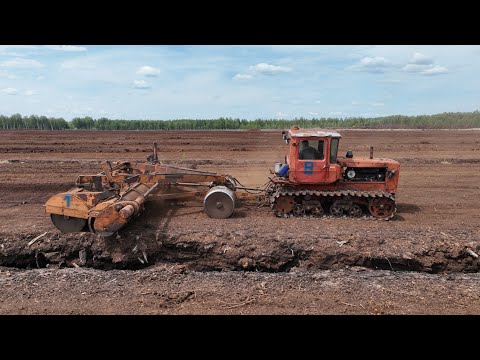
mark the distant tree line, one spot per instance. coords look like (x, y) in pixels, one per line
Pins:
(451, 120)
(18, 121)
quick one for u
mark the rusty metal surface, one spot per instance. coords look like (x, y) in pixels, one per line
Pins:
(184, 195)
(382, 208)
(68, 224)
(381, 204)
(92, 198)
(284, 204)
(68, 204)
(313, 133)
(367, 162)
(109, 199)
(109, 221)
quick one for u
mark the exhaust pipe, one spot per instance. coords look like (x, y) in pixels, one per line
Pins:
(155, 152)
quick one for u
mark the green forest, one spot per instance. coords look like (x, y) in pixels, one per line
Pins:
(452, 120)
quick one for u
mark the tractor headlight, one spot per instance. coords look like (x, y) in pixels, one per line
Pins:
(351, 174)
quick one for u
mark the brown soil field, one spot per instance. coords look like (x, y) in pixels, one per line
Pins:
(419, 262)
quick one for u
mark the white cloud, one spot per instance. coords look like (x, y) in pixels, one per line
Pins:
(420, 59)
(378, 104)
(148, 71)
(242, 77)
(30, 92)
(141, 84)
(318, 101)
(435, 70)
(268, 69)
(425, 69)
(262, 69)
(21, 63)
(355, 103)
(414, 68)
(375, 65)
(313, 113)
(10, 91)
(40, 77)
(424, 65)
(336, 113)
(69, 48)
(281, 115)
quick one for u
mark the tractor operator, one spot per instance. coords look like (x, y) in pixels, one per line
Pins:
(308, 152)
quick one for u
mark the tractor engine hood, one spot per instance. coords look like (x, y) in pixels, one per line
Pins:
(367, 162)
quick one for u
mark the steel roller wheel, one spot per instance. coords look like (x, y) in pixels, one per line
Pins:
(336, 210)
(299, 210)
(317, 211)
(382, 208)
(355, 211)
(68, 224)
(219, 202)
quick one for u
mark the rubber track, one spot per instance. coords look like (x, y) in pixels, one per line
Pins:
(339, 193)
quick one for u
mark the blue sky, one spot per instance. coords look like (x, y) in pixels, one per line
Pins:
(249, 82)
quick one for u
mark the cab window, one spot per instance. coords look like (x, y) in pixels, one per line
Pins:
(333, 151)
(311, 150)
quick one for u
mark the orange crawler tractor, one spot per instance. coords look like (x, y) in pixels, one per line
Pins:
(313, 182)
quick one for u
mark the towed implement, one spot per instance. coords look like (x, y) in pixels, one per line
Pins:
(312, 182)
(105, 202)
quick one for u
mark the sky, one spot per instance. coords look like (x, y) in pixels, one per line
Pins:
(238, 81)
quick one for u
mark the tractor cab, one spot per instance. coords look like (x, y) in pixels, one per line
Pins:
(312, 157)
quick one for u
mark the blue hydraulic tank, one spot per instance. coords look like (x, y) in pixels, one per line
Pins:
(283, 170)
